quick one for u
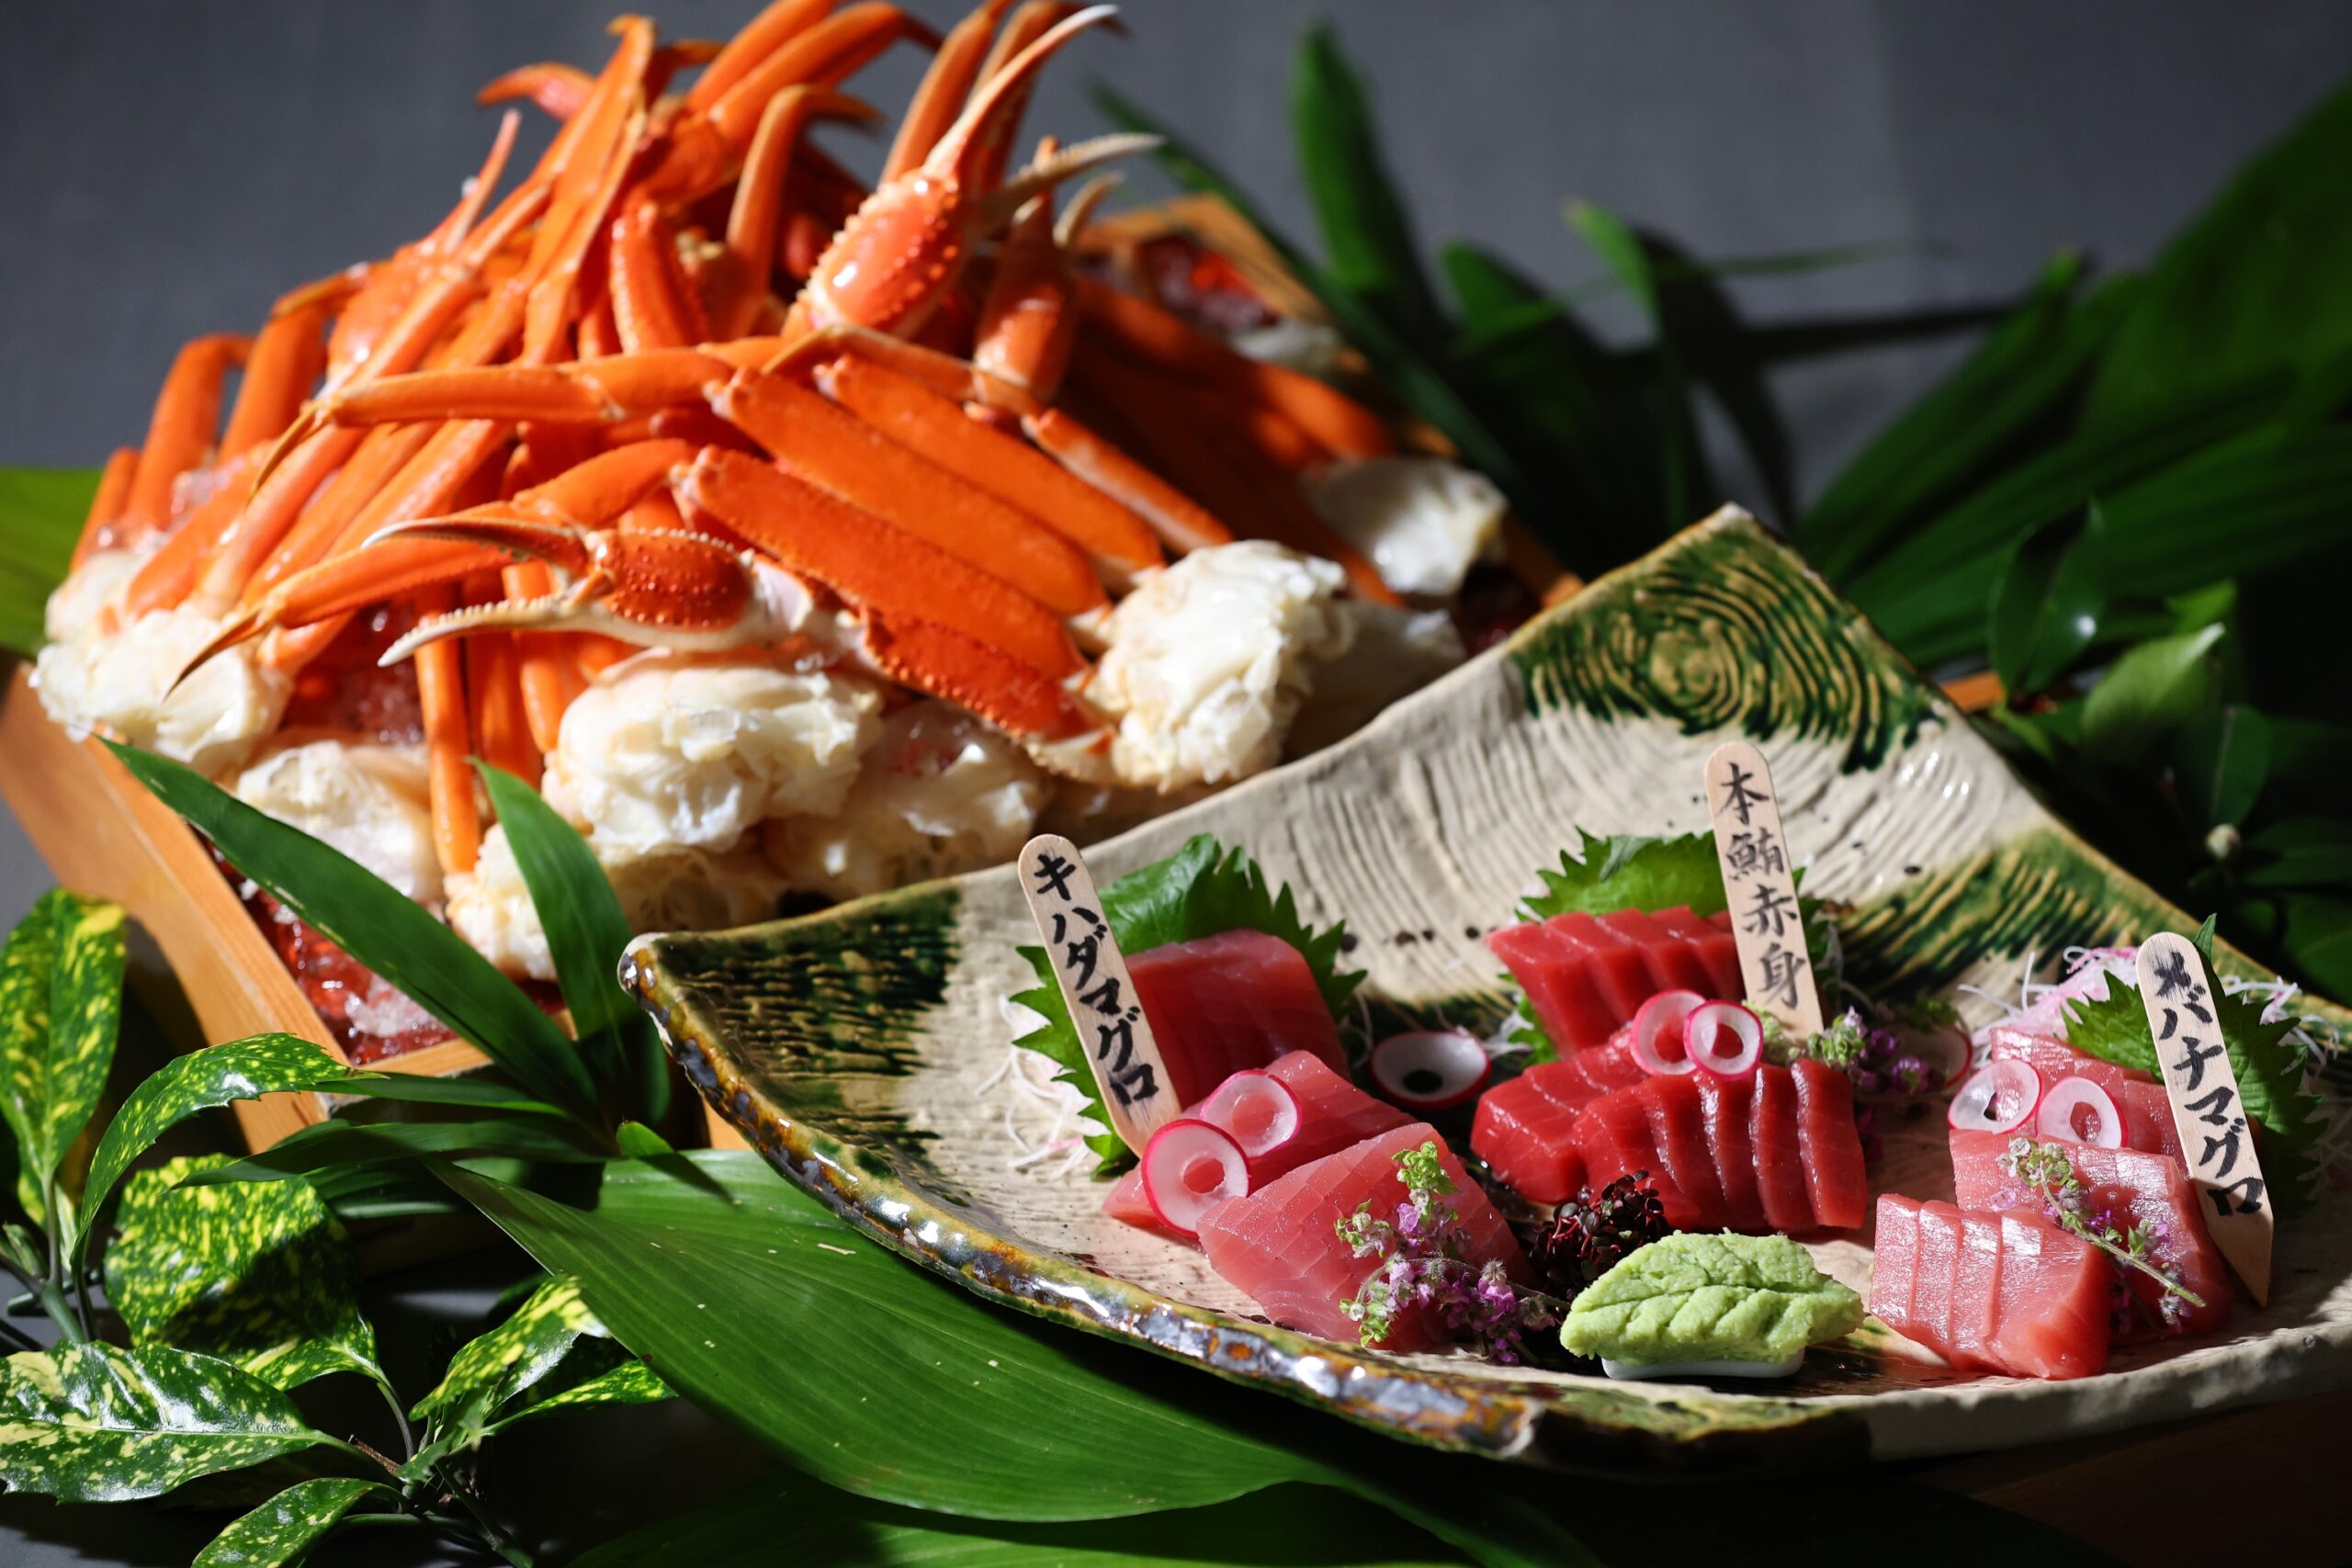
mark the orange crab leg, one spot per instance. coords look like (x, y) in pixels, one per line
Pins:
(1183, 524)
(172, 571)
(584, 392)
(560, 90)
(1029, 24)
(287, 355)
(1153, 335)
(736, 288)
(441, 693)
(823, 441)
(985, 458)
(179, 433)
(945, 86)
(652, 306)
(871, 563)
(598, 653)
(1257, 499)
(775, 26)
(550, 674)
(502, 732)
(249, 562)
(106, 506)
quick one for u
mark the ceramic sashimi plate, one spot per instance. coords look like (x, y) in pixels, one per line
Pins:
(864, 1050)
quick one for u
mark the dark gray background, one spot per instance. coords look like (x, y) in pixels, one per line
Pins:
(170, 167)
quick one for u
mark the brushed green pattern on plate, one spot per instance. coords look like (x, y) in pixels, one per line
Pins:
(864, 1050)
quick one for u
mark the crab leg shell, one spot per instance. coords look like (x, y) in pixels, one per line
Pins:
(106, 504)
(821, 441)
(1029, 24)
(172, 571)
(560, 90)
(775, 26)
(738, 287)
(651, 305)
(288, 354)
(939, 101)
(441, 693)
(584, 392)
(872, 564)
(1115, 539)
(180, 431)
(1183, 524)
(502, 732)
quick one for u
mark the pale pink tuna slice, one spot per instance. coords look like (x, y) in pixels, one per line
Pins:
(1990, 1292)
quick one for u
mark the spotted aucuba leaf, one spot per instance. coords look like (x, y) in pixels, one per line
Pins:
(597, 1371)
(494, 1368)
(242, 1069)
(257, 1273)
(283, 1531)
(61, 1006)
(94, 1423)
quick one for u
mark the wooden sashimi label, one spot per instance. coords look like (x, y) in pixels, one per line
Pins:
(1761, 883)
(1091, 974)
(2216, 1144)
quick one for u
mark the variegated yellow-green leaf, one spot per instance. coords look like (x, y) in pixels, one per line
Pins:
(597, 1371)
(283, 1531)
(61, 1005)
(93, 1423)
(494, 1366)
(258, 1273)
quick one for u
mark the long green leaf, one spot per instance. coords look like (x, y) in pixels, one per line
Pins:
(284, 1530)
(258, 1273)
(61, 1008)
(41, 511)
(93, 1423)
(1685, 488)
(374, 922)
(1366, 236)
(2255, 283)
(2047, 606)
(586, 930)
(2221, 762)
(753, 1300)
(331, 1144)
(2148, 694)
(1280, 1527)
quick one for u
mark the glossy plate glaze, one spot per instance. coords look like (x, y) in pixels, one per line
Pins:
(863, 1050)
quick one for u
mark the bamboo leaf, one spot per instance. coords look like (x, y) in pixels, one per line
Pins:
(2221, 762)
(259, 1274)
(2047, 606)
(2148, 694)
(94, 1423)
(2301, 851)
(61, 1008)
(340, 1142)
(383, 929)
(41, 512)
(586, 931)
(1685, 487)
(2316, 932)
(1366, 235)
(283, 1531)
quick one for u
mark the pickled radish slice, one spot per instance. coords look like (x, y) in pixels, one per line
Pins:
(1430, 1069)
(2000, 1097)
(1255, 1108)
(1658, 1022)
(2070, 1103)
(1725, 1038)
(1188, 1167)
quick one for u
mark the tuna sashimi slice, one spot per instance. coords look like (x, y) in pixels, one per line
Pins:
(2008, 1296)
(1678, 1131)
(2055, 1059)
(1710, 937)
(1831, 1147)
(2129, 1187)
(1779, 1166)
(1619, 971)
(1558, 978)
(1222, 1003)
(1280, 1244)
(1727, 1103)
(1674, 963)
(1529, 1138)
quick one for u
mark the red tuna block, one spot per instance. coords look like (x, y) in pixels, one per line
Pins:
(1990, 1292)
(2130, 1187)
(1223, 1003)
(1280, 1246)
(2147, 1113)
(1585, 976)
(1525, 1127)
(1333, 1115)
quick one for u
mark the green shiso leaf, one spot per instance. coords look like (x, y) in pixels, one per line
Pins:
(1710, 1298)
(61, 1008)
(259, 1274)
(1200, 891)
(94, 1423)
(2270, 1069)
(284, 1530)
(1629, 872)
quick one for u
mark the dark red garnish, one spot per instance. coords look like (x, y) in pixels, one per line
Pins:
(1591, 1232)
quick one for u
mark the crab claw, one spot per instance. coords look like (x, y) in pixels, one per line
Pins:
(652, 587)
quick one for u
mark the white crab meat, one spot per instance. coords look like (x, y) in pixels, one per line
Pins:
(1394, 651)
(1423, 522)
(679, 753)
(1311, 348)
(87, 599)
(673, 889)
(122, 685)
(940, 793)
(369, 801)
(1209, 659)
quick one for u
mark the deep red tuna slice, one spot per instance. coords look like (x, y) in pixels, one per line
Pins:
(1678, 1131)
(1618, 972)
(2130, 1187)
(1780, 1170)
(1238, 1000)
(1831, 1145)
(1673, 963)
(1279, 1244)
(2019, 1298)
(1528, 1139)
(1558, 978)
(1975, 1292)
(1710, 937)
(1612, 1066)
(1725, 1103)
(1619, 1141)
